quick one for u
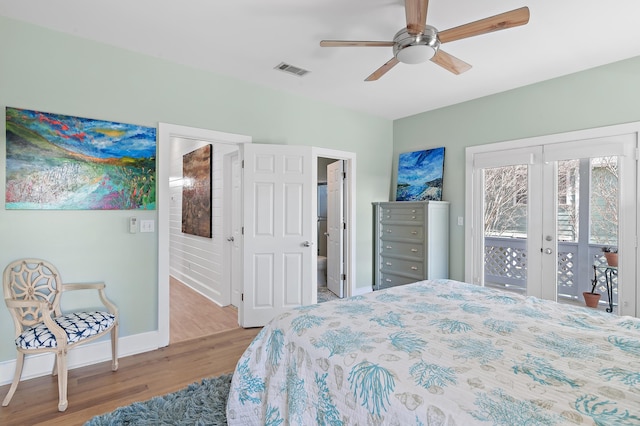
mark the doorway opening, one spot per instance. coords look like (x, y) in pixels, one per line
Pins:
(224, 295)
(193, 268)
(330, 229)
(201, 266)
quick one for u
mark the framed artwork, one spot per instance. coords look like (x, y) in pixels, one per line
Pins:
(61, 162)
(196, 192)
(420, 175)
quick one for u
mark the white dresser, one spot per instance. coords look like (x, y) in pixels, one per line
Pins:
(411, 242)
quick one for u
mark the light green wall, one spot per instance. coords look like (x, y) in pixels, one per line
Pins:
(54, 72)
(598, 97)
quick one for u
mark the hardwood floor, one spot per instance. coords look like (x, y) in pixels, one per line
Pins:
(96, 389)
(191, 356)
(193, 315)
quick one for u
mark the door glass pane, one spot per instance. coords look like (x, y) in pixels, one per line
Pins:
(505, 227)
(582, 232)
(568, 232)
(604, 207)
(604, 201)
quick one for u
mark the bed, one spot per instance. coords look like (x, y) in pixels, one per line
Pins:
(440, 352)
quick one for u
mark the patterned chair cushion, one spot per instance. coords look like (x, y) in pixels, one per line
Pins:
(77, 325)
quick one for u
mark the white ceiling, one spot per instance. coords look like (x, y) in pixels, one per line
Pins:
(248, 38)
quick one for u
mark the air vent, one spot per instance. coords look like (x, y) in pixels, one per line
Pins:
(291, 69)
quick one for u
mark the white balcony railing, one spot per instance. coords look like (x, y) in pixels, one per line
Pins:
(505, 267)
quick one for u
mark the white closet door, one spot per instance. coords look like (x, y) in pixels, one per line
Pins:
(278, 232)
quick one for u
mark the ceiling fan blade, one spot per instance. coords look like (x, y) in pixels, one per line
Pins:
(450, 62)
(354, 43)
(382, 70)
(511, 19)
(416, 11)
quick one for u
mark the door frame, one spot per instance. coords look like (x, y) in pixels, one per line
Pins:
(349, 255)
(335, 218)
(474, 220)
(166, 132)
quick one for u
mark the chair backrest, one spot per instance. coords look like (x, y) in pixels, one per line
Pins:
(31, 280)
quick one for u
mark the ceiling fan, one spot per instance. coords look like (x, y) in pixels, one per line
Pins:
(419, 42)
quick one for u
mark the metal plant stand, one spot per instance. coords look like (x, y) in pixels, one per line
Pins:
(609, 272)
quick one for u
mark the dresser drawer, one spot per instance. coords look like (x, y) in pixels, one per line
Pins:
(390, 264)
(402, 231)
(390, 280)
(402, 208)
(416, 215)
(402, 249)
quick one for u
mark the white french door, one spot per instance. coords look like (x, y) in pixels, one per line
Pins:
(540, 215)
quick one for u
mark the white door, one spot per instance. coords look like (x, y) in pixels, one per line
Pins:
(506, 227)
(279, 232)
(234, 236)
(544, 238)
(335, 227)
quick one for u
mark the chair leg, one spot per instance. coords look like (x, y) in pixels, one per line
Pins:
(62, 381)
(54, 372)
(114, 348)
(16, 379)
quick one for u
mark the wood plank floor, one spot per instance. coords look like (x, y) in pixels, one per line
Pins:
(193, 315)
(191, 356)
(96, 389)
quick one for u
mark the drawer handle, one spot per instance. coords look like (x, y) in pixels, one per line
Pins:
(413, 217)
(413, 211)
(387, 280)
(414, 232)
(414, 250)
(414, 268)
(388, 263)
(388, 247)
(389, 231)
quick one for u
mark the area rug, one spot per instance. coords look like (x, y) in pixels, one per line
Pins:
(199, 404)
(325, 295)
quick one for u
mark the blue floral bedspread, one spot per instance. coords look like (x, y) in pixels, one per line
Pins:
(440, 353)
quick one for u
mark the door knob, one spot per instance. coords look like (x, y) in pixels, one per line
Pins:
(231, 239)
(307, 244)
(548, 251)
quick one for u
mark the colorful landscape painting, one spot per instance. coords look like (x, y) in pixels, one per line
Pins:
(63, 162)
(420, 175)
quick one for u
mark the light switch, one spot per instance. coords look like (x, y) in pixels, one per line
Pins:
(147, 225)
(460, 221)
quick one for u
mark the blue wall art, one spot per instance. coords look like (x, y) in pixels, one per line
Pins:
(420, 175)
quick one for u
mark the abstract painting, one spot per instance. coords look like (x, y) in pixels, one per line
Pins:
(420, 175)
(61, 162)
(196, 192)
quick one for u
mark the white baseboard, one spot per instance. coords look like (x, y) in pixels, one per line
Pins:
(359, 291)
(42, 364)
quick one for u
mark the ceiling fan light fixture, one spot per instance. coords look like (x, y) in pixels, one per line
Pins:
(415, 54)
(416, 48)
